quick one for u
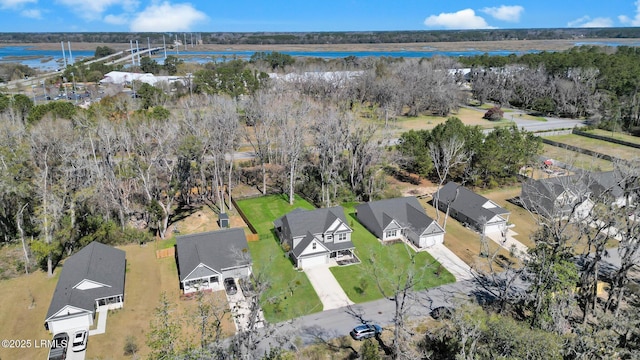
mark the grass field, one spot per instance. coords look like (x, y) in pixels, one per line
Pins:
(290, 293)
(25, 301)
(576, 159)
(616, 135)
(601, 146)
(391, 261)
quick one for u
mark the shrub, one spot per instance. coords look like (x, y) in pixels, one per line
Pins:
(130, 346)
(493, 114)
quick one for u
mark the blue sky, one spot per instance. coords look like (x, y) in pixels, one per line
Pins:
(309, 15)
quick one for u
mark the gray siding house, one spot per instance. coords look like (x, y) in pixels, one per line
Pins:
(400, 219)
(314, 237)
(482, 214)
(206, 259)
(91, 280)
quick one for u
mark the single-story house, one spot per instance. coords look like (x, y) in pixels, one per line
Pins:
(206, 259)
(91, 279)
(314, 237)
(472, 209)
(400, 219)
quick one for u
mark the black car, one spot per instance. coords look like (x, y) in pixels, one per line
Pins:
(230, 286)
(441, 312)
(58, 350)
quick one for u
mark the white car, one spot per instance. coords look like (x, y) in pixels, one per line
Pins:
(79, 341)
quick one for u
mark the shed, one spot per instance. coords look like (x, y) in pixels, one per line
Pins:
(223, 220)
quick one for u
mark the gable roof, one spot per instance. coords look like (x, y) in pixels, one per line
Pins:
(96, 262)
(407, 211)
(219, 250)
(304, 243)
(300, 221)
(468, 203)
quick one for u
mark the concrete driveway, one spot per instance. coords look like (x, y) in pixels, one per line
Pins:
(327, 287)
(450, 261)
(508, 242)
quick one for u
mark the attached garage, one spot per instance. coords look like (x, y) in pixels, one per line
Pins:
(306, 262)
(495, 227)
(69, 322)
(430, 240)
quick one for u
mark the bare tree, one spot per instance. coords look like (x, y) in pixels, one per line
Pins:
(446, 155)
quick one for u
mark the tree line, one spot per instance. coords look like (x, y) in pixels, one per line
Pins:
(591, 82)
(338, 37)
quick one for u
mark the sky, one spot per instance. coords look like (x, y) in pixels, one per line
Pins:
(309, 15)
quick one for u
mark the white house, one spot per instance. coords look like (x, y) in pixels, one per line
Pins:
(314, 237)
(400, 219)
(206, 259)
(91, 279)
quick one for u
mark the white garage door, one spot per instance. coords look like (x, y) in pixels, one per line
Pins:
(494, 228)
(70, 323)
(426, 241)
(312, 261)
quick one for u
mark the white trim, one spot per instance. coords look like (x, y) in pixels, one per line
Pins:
(99, 284)
(66, 308)
(195, 268)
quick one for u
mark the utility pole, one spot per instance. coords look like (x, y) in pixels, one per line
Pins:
(64, 57)
(164, 45)
(184, 36)
(138, 52)
(133, 61)
(70, 56)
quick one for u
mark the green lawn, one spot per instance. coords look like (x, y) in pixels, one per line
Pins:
(390, 261)
(601, 146)
(290, 294)
(616, 135)
(582, 161)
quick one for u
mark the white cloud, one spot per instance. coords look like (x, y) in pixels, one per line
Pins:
(510, 13)
(93, 9)
(116, 19)
(629, 21)
(463, 19)
(14, 4)
(32, 13)
(167, 17)
(587, 22)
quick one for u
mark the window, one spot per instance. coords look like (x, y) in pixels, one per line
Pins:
(342, 237)
(313, 245)
(391, 233)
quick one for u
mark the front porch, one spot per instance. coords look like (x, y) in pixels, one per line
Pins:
(210, 283)
(344, 257)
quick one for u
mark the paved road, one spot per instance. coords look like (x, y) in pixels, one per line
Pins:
(335, 323)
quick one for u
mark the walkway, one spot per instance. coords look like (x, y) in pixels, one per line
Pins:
(509, 243)
(326, 286)
(450, 261)
(102, 323)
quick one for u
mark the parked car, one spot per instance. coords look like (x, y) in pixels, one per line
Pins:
(230, 286)
(441, 312)
(58, 350)
(79, 341)
(246, 286)
(365, 331)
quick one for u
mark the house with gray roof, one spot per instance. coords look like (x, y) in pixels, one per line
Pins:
(573, 194)
(91, 280)
(474, 210)
(400, 219)
(206, 259)
(315, 237)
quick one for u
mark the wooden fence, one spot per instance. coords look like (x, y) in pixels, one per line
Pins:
(164, 253)
(606, 138)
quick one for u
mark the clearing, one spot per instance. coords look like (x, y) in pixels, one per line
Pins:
(601, 146)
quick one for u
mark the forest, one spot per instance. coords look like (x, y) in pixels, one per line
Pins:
(361, 37)
(125, 168)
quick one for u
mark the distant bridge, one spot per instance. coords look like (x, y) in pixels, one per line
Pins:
(120, 57)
